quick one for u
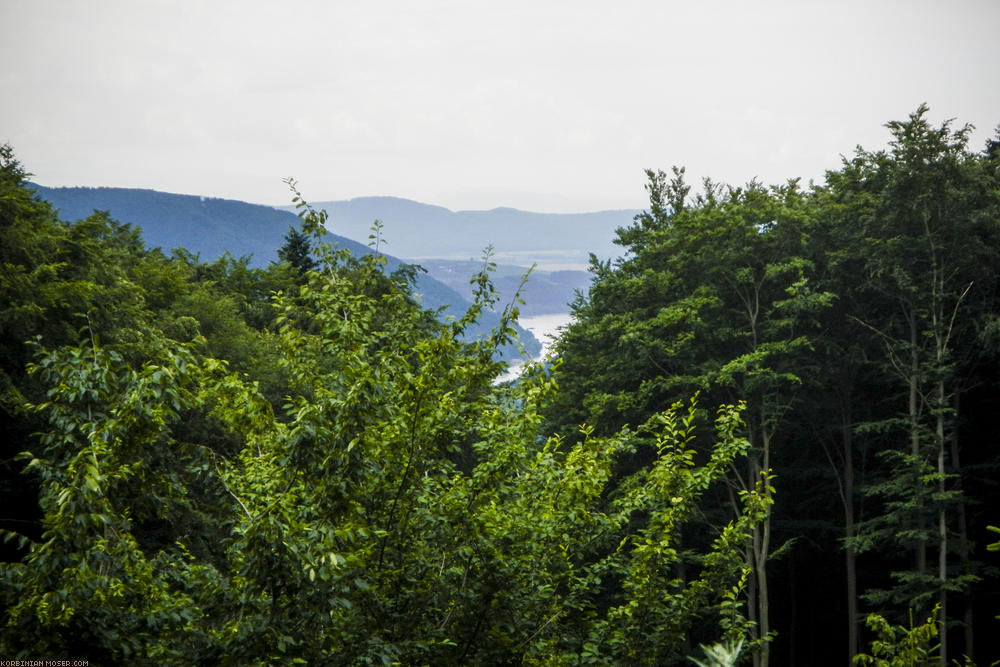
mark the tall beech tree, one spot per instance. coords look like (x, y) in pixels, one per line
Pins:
(842, 391)
(853, 318)
(920, 215)
(715, 294)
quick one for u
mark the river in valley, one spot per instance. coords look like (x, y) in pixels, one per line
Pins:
(545, 328)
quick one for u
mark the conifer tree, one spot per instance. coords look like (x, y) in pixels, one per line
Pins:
(297, 251)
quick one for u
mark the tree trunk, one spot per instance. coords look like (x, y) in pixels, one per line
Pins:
(762, 546)
(761, 538)
(941, 403)
(963, 536)
(914, 418)
(849, 555)
(752, 598)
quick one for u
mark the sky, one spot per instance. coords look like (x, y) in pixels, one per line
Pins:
(541, 105)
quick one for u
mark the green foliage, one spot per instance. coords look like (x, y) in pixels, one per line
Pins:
(855, 318)
(993, 546)
(715, 293)
(898, 646)
(107, 462)
(394, 507)
(720, 655)
(919, 215)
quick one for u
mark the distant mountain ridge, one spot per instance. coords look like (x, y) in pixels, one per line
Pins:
(208, 225)
(211, 226)
(416, 231)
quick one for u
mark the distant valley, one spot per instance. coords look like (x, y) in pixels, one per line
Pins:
(545, 292)
(414, 230)
(450, 244)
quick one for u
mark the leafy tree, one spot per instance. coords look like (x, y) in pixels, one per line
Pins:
(714, 294)
(898, 646)
(917, 212)
(87, 587)
(58, 279)
(854, 319)
(252, 289)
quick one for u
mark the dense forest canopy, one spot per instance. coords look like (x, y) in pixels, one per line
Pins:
(858, 319)
(769, 418)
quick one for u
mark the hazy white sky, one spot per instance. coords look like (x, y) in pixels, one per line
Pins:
(550, 106)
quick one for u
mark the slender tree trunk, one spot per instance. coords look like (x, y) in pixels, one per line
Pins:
(752, 588)
(762, 547)
(850, 556)
(963, 536)
(941, 335)
(914, 410)
(943, 569)
(761, 538)
(757, 602)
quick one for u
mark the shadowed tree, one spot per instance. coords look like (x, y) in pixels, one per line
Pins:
(297, 251)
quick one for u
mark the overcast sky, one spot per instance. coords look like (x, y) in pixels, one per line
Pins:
(548, 106)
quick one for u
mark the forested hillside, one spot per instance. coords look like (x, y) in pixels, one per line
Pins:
(771, 418)
(208, 226)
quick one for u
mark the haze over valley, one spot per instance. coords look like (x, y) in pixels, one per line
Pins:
(552, 241)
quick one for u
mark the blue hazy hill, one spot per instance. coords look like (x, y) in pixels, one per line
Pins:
(417, 231)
